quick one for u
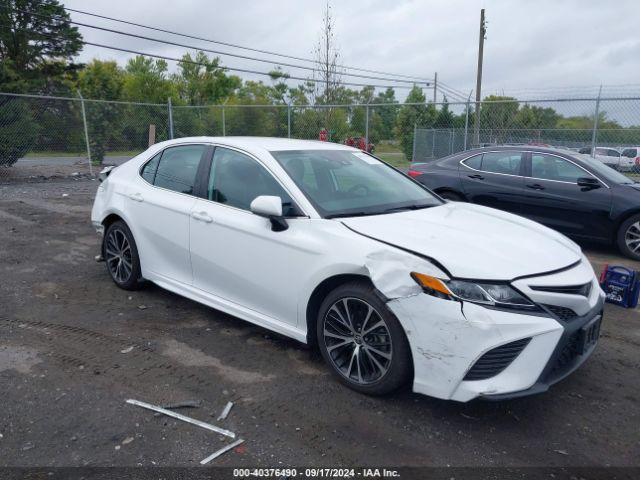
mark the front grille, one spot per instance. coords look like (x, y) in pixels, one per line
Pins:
(583, 290)
(563, 313)
(495, 361)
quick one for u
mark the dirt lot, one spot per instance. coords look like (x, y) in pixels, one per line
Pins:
(67, 367)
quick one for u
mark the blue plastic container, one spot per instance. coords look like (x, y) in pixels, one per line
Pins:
(621, 285)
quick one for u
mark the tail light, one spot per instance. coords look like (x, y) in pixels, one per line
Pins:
(638, 161)
(414, 173)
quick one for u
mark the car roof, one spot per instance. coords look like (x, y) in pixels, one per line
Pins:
(527, 148)
(261, 144)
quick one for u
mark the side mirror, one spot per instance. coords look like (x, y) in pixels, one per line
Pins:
(270, 207)
(588, 183)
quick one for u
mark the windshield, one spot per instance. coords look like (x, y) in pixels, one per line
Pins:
(606, 172)
(342, 183)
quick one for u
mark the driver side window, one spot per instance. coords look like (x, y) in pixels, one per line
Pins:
(548, 167)
(237, 179)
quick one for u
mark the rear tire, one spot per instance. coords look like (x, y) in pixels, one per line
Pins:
(451, 196)
(362, 341)
(628, 237)
(121, 256)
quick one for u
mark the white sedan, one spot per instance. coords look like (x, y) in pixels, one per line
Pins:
(332, 247)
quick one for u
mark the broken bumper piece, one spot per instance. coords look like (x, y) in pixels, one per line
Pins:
(456, 345)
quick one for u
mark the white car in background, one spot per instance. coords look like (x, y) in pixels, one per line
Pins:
(332, 247)
(631, 156)
(610, 157)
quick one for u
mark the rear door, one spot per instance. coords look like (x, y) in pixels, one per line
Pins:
(494, 179)
(554, 198)
(159, 204)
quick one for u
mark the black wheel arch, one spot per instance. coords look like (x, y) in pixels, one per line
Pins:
(318, 295)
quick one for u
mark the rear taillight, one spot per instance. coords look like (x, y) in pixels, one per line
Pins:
(414, 173)
(638, 161)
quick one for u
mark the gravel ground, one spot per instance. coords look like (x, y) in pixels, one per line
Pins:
(73, 348)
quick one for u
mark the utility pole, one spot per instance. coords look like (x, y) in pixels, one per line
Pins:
(435, 87)
(483, 33)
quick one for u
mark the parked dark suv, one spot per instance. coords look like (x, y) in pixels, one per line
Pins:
(578, 196)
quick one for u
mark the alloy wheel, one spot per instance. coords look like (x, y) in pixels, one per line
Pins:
(357, 340)
(118, 255)
(632, 237)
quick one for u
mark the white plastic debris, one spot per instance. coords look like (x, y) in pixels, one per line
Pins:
(184, 418)
(221, 451)
(225, 411)
(127, 350)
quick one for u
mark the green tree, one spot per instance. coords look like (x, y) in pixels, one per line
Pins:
(104, 81)
(387, 114)
(38, 47)
(445, 118)
(147, 80)
(497, 117)
(412, 116)
(201, 81)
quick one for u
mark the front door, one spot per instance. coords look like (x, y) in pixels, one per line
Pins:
(235, 254)
(554, 198)
(494, 179)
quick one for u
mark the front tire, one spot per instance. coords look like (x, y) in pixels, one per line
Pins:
(362, 341)
(121, 256)
(629, 237)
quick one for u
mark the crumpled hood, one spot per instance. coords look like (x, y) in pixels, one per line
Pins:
(472, 241)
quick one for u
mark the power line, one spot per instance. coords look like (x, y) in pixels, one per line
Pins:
(194, 37)
(217, 52)
(235, 69)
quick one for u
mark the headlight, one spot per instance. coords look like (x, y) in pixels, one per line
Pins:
(492, 294)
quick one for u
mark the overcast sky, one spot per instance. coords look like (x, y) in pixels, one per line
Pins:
(542, 44)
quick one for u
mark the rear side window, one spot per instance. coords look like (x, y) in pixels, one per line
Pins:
(149, 170)
(502, 162)
(474, 162)
(548, 167)
(613, 153)
(177, 168)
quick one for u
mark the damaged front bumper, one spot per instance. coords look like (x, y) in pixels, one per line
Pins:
(447, 338)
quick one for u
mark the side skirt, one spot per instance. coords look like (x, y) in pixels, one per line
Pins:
(227, 306)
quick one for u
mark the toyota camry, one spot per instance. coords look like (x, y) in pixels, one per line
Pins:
(330, 246)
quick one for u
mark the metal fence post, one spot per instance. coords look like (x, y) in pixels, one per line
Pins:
(170, 118)
(86, 132)
(451, 142)
(466, 122)
(594, 137)
(366, 127)
(415, 139)
(288, 120)
(224, 122)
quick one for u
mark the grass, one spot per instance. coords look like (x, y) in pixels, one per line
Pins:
(391, 154)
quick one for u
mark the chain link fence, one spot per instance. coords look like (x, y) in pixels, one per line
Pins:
(81, 133)
(602, 127)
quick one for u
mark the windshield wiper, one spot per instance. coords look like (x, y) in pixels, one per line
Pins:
(351, 214)
(407, 207)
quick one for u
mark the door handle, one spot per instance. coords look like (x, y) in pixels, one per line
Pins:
(137, 197)
(202, 216)
(535, 186)
(476, 176)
